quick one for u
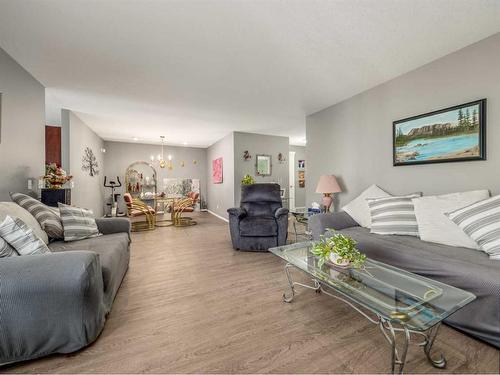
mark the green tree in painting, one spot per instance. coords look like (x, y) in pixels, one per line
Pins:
(474, 117)
(467, 117)
(460, 118)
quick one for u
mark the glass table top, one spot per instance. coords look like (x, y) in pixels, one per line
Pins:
(396, 295)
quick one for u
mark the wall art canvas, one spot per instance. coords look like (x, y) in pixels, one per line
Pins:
(180, 187)
(89, 162)
(263, 165)
(217, 177)
(448, 135)
(302, 179)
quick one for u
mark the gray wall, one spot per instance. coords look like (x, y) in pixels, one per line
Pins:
(119, 155)
(22, 143)
(220, 197)
(353, 139)
(300, 193)
(259, 144)
(87, 191)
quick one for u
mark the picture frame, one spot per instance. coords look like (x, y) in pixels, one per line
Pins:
(217, 171)
(263, 165)
(452, 134)
(301, 164)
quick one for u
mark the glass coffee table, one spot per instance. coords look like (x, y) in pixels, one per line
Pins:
(401, 303)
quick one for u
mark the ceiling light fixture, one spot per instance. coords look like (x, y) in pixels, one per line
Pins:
(161, 157)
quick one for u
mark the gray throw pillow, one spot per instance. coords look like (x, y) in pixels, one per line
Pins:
(6, 250)
(394, 215)
(21, 237)
(49, 220)
(78, 223)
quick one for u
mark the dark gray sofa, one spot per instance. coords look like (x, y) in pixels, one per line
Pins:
(58, 302)
(460, 267)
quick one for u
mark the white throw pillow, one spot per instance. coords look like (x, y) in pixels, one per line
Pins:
(358, 208)
(14, 210)
(481, 221)
(21, 237)
(435, 226)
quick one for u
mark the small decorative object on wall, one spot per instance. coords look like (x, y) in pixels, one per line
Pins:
(302, 164)
(281, 158)
(217, 169)
(247, 180)
(302, 179)
(263, 165)
(195, 162)
(182, 163)
(246, 156)
(55, 177)
(451, 134)
(89, 162)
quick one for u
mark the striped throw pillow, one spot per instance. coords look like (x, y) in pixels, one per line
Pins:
(393, 215)
(21, 237)
(78, 223)
(48, 218)
(6, 250)
(481, 222)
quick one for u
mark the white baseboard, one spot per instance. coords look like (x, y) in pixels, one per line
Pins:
(218, 216)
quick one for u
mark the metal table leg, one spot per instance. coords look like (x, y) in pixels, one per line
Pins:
(398, 355)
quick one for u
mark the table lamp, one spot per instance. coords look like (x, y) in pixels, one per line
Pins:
(328, 185)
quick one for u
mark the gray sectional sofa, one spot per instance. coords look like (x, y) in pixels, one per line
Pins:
(58, 302)
(460, 267)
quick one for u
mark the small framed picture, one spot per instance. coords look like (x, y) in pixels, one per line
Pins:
(302, 164)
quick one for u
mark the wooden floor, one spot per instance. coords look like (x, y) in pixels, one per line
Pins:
(190, 304)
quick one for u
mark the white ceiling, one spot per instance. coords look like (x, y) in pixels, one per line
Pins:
(196, 70)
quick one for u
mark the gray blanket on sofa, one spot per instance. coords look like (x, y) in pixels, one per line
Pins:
(463, 268)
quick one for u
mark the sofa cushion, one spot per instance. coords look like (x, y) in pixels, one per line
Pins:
(435, 226)
(258, 226)
(113, 254)
(21, 237)
(481, 221)
(358, 208)
(14, 210)
(393, 215)
(78, 223)
(49, 220)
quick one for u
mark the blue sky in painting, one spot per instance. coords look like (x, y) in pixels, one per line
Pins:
(441, 118)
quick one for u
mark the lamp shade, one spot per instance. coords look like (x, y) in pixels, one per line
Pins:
(328, 184)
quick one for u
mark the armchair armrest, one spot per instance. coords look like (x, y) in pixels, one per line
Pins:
(280, 212)
(319, 223)
(237, 211)
(50, 303)
(113, 225)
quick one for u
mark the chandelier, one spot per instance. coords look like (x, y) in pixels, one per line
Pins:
(161, 157)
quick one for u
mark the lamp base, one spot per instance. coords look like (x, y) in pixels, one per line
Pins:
(327, 201)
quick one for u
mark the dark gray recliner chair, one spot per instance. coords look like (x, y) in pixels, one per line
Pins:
(260, 222)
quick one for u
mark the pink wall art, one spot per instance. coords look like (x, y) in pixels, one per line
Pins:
(217, 171)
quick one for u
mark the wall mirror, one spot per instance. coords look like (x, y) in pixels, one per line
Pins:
(140, 180)
(263, 165)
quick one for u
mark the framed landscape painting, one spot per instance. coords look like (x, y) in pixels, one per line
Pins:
(452, 134)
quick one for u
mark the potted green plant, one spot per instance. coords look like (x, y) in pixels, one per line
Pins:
(339, 250)
(247, 180)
